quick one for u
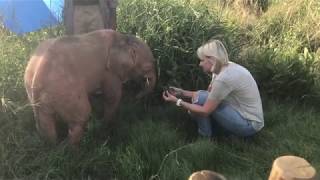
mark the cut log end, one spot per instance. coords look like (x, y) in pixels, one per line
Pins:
(292, 168)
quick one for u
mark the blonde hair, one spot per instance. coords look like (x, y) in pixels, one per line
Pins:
(214, 48)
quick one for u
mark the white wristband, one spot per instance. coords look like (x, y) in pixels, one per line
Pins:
(178, 103)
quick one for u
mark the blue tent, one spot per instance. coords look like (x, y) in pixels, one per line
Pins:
(22, 16)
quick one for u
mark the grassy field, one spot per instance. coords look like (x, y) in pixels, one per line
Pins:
(153, 140)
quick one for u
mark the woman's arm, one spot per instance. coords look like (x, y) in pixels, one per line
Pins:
(181, 92)
(186, 93)
(204, 110)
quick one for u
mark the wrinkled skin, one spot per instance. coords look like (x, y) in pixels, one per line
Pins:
(62, 74)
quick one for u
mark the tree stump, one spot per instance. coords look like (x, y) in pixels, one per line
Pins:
(82, 16)
(206, 175)
(292, 168)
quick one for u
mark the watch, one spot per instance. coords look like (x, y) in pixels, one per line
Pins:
(178, 103)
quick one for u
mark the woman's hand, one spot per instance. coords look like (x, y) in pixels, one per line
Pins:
(169, 97)
(175, 91)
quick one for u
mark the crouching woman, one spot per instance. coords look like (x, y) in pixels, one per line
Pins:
(232, 101)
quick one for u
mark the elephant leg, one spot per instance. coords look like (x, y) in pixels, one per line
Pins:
(75, 112)
(110, 106)
(75, 133)
(112, 96)
(46, 125)
(79, 122)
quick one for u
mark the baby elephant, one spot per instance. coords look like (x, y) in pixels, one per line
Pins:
(63, 72)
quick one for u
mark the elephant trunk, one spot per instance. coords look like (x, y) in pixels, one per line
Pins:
(149, 84)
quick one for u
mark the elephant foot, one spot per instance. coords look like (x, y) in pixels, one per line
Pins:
(104, 131)
(46, 126)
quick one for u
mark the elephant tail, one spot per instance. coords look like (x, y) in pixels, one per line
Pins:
(32, 84)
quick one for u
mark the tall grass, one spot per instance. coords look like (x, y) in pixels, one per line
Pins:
(154, 146)
(287, 38)
(174, 30)
(290, 26)
(286, 35)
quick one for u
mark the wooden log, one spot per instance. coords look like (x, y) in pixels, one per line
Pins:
(82, 16)
(206, 175)
(292, 168)
(87, 18)
(108, 11)
(68, 16)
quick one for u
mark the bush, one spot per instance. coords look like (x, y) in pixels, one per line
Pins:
(250, 5)
(282, 50)
(282, 76)
(289, 27)
(278, 39)
(174, 30)
(14, 55)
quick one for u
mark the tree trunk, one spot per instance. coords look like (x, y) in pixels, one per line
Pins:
(82, 16)
(68, 16)
(108, 9)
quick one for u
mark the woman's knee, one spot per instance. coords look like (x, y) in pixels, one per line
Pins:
(200, 97)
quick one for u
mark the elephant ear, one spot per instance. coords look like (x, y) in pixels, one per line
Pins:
(132, 45)
(121, 58)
